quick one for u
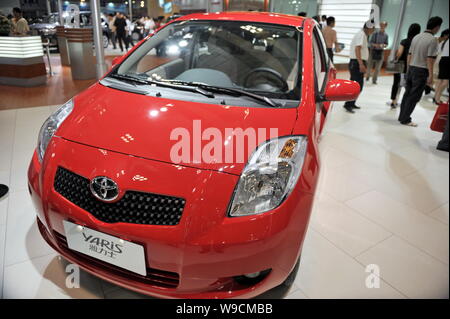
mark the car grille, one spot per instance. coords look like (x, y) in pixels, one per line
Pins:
(154, 277)
(134, 207)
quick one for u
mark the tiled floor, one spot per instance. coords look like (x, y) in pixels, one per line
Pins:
(383, 200)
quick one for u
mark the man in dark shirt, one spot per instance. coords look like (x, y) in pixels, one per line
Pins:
(121, 33)
(421, 58)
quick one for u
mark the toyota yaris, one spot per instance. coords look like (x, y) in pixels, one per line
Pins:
(191, 174)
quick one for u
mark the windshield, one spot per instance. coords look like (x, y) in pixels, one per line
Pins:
(259, 58)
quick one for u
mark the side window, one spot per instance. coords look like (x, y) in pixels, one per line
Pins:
(319, 35)
(320, 60)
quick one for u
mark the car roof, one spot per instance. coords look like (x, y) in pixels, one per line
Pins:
(249, 16)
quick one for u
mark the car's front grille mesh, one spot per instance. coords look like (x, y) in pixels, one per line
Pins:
(134, 207)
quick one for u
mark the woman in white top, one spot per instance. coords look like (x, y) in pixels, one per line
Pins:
(149, 26)
(444, 66)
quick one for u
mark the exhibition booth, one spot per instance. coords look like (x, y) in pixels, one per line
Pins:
(22, 61)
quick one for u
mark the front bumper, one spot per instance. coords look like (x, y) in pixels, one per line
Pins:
(206, 249)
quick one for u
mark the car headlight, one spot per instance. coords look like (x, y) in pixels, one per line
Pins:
(50, 126)
(269, 177)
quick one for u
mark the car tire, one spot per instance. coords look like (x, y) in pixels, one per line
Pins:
(136, 36)
(289, 281)
(105, 41)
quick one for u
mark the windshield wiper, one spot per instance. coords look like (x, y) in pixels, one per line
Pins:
(147, 81)
(195, 87)
(132, 81)
(229, 91)
(240, 92)
(128, 78)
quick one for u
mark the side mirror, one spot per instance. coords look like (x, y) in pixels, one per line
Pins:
(116, 60)
(341, 90)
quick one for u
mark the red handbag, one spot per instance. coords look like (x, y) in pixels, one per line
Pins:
(440, 118)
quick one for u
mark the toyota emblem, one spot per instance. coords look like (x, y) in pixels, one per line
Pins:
(104, 188)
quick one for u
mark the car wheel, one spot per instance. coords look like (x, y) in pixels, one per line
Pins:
(291, 278)
(105, 41)
(136, 36)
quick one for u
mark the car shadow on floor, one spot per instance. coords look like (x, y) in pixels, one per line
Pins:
(279, 292)
(122, 293)
(59, 270)
(58, 277)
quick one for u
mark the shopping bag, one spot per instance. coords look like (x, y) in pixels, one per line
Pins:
(440, 118)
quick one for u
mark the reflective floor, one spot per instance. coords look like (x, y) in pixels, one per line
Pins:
(59, 88)
(383, 201)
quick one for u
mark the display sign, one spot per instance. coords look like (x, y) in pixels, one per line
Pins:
(110, 249)
(72, 16)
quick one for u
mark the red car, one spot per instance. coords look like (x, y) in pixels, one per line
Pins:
(189, 170)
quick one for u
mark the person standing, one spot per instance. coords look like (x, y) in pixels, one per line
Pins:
(159, 22)
(19, 24)
(317, 18)
(378, 42)
(402, 56)
(5, 26)
(323, 21)
(359, 54)
(444, 66)
(121, 33)
(149, 26)
(129, 29)
(112, 29)
(330, 37)
(421, 58)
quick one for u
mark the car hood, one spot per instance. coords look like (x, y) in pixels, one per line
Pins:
(142, 126)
